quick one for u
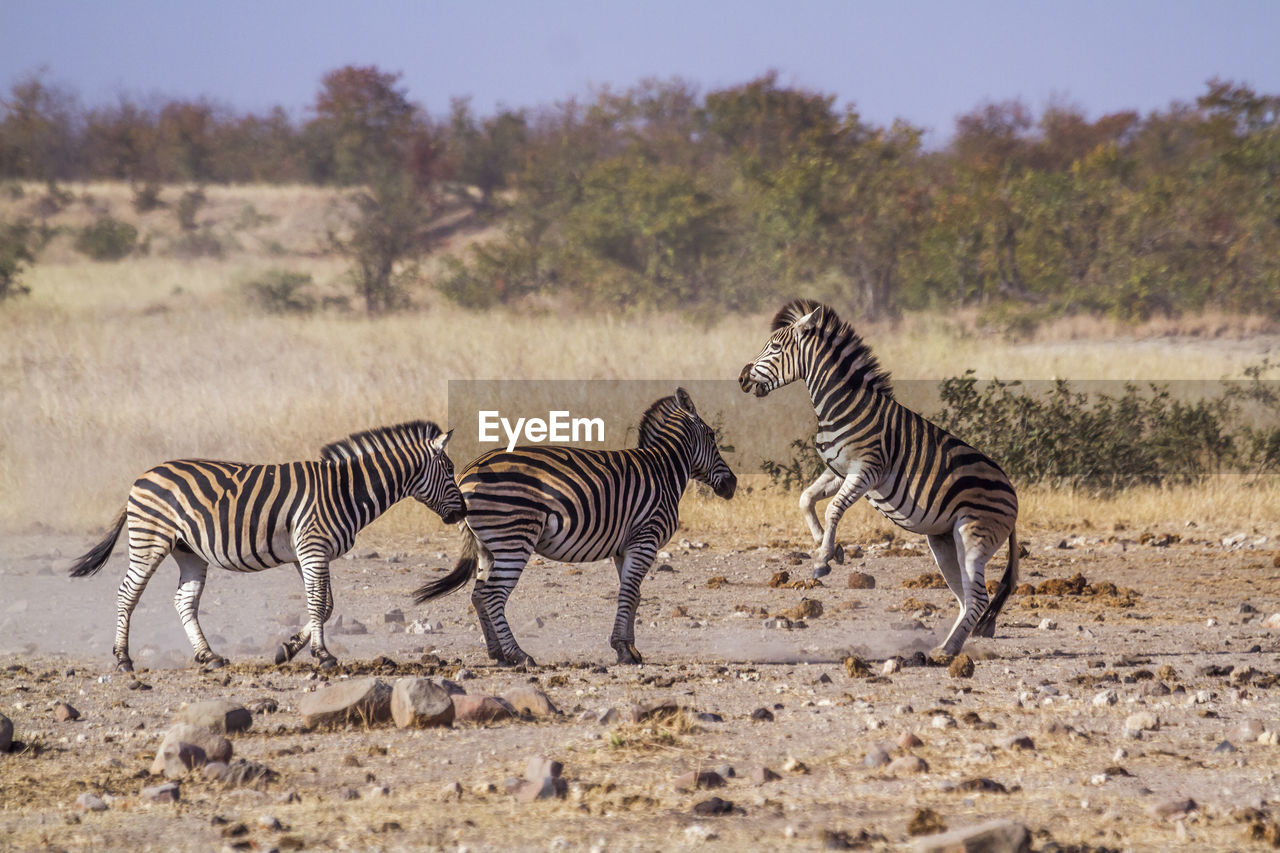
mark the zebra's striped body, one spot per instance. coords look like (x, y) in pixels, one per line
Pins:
(246, 518)
(915, 473)
(577, 506)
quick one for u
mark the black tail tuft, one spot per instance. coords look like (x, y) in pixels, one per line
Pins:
(91, 562)
(462, 572)
(987, 620)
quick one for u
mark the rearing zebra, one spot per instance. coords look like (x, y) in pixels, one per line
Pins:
(915, 473)
(578, 506)
(251, 517)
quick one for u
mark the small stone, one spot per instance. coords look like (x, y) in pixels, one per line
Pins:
(530, 700)
(727, 771)
(481, 709)
(217, 716)
(1019, 742)
(348, 794)
(639, 712)
(359, 700)
(64, 713)
(1172, 809)
(762, 775)
(1106, 698)
(1047, 624)
(1142, 721)
(891, 666)
(861, 580)
(547, 788)
(907, 740)
(1225, 746)
(1272, 621)
(856, 667)
(779, 579)
(708, 717)
(808, 608)
(713, 806)
(908, 764)
(270, 823)
(420, 703)
(265, 705)
(961, 666)
(185, 747)
(1269, 738)
(795, 765)
(90, 802)
(694, 780)
(169, 792)
(762, 715)
(875, 758)
(699, 834)
(393, 617)
(997, 836)
(942, 721)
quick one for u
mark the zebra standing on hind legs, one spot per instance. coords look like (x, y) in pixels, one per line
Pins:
(578, 506)
(247, 518)
(915, 473)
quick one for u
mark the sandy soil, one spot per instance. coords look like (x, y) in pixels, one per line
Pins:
(1084, 782)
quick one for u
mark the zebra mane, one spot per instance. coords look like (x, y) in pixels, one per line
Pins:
(839, 331)
(378, 439)
(653, 419)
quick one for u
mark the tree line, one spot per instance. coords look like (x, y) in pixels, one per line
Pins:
(662, 196)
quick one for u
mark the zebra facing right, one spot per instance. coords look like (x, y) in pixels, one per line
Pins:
(247, 518)
(578, 506)
(915, 473)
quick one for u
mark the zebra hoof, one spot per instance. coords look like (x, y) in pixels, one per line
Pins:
(821, 571)
(282, 654)
(838, 555)
(124, 666)
(215, 662)
(327, 663)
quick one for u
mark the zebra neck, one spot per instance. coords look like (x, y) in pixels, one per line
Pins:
(841, 396)
(365, 489)
(673, 457)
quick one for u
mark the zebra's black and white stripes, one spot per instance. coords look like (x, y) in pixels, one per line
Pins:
(575, 506)
(247, 518)
(918, 475)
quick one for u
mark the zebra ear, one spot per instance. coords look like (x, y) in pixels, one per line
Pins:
(685, 401)
(808, 322)
(438, 443)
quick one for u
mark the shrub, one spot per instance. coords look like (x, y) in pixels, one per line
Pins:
(198, 244)
(107, 239)
(146, 197)
(280, 291)
(15, 254)
(188, 207)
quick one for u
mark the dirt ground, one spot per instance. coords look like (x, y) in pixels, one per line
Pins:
(1184, 649)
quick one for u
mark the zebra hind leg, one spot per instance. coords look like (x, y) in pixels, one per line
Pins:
(192, 571)
(493, 602)
(146, 551)
(493, 646)
(315, 579)
(975, 551)
(632, 569)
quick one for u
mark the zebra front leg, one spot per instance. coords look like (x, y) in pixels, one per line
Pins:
(192, 571)
(632, 568)
(286, 651)
(854, 486)
(827, 484)
(146, 552)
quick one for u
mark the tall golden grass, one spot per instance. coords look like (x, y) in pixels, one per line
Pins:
(109, 368)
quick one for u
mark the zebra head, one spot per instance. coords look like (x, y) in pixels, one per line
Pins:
(678, 417)
(435, 485)
(781, 362)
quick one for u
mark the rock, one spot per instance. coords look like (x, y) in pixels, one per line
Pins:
(1142, 721)
(1019, 742)
(942, 721)
(763, 775)
(480, 709)
(695, 780)
(88, 802)
(795, 765)
(530, 700)
(908, 764)
(861, 580)
(6, 733)
(763, 715)
(1245, 731)
(961, 666)
(243, 772)
(891, 666)
(215, 769)
(907, 740)
(359, 700)
(856, 667)
(64, 713)
(1105, 698)
(779, 579)
(808, 608)
(393, 617)
(1173, 809)
(997, 836)
(708, 717)
(727, 771)
(265, 705)
(169, 792)
(185, 747)
(925, 822)
(420, 703)
(270, 823)
(453, 688)
(875, 758)
(217, 716)
(1225, 746)
(1272, 621)
(640, 712)
(713, 806)
(543, 789)
(1047, 624)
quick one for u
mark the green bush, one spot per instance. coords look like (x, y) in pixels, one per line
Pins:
(280, 291)
(107, 239)
(146, 197)
(188, 207)
(15, 254)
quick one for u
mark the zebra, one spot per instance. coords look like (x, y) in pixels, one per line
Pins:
(247, 518)
(915, 473)
(578, 506)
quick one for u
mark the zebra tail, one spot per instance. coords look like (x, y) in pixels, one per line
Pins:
(462, 572)
(91, 562)
(1007, 584)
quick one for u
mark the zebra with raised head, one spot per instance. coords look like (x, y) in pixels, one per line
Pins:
(251, 517)
(915, 473)
(578, 506)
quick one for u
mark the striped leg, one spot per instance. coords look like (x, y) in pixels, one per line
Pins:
(146, 551)
(632, 568)
(192, 570)
(492, 597)
(976, 550)
(854, 486)
(315, 580)
(290, 647)
(827, 484)
(492, 645)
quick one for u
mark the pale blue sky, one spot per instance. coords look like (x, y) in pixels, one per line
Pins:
(925, 61)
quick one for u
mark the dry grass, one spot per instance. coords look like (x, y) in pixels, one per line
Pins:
(109, 368)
